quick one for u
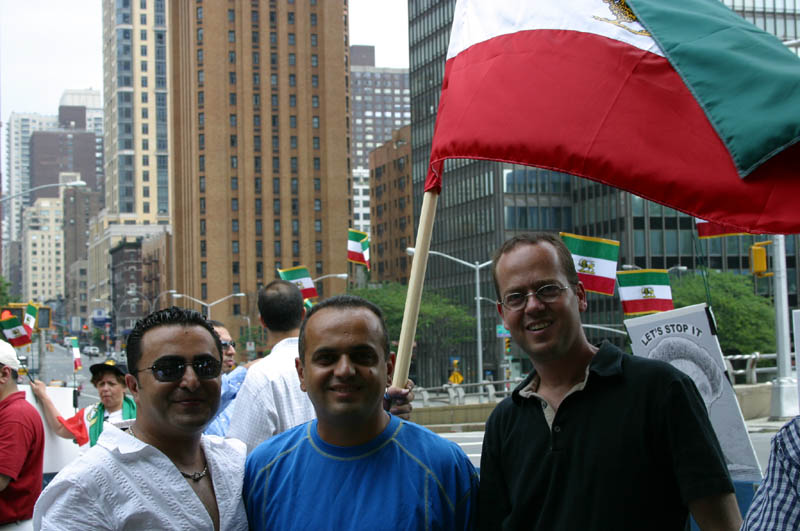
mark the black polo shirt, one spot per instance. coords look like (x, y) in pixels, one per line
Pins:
(629, 451)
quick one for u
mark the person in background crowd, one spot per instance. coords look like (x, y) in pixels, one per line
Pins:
(162, 473)
(232, 379)
(87, 424)
(593, 438)
(366, 468)
(776, 504)
(21, 447)
(270, 400)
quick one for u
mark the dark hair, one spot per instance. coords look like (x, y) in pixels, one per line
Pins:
(166, 317)
(346, 302)
(99, 373)
(216, 324)
(532, 238)
(280, 304)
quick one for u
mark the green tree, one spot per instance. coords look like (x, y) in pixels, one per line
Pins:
(5, 298)
(453, 323)
(745, 321)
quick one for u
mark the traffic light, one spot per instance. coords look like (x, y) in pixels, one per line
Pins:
(758, 259)
(508, 344)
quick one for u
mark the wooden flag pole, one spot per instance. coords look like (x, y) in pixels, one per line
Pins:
(414, 294)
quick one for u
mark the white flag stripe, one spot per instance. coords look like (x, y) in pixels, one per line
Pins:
(632, 293)
(305, 281)
(602, 267)
(476, 21)
(354, 246)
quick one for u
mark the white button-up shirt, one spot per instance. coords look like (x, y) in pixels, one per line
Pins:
(123, 483)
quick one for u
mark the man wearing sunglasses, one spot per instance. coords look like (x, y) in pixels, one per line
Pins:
(162, 473)
(593, 438)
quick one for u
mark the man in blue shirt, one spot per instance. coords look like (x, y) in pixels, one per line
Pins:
(362, 467)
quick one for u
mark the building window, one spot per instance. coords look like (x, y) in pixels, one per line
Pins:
(315, 81)
(315, 122)
(232, 78)
(314, 39)
(292, 59)
(317, 225)
(290, 17)
(315, 101)
(313, 19)
(231, 36)
(234, 225)
(314, 60)
(233, 120)
(234, 161)
(315, 142)
(292, 80)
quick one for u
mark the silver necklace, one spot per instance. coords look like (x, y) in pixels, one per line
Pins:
(194, 476)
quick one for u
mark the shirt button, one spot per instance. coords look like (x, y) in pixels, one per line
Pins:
(557, 429)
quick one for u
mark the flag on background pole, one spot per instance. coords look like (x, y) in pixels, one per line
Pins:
(700, 72)
(709, 229)
(76, 354)
(301, 278)
(595, 261)
(358, 247)
(14, 331)
(644, 291)
(30, 318)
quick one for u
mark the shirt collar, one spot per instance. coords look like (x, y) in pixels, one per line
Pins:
(607, 362)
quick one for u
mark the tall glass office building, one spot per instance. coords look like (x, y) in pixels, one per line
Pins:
(484, 203)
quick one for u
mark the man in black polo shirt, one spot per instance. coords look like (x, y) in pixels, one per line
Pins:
(593, 438)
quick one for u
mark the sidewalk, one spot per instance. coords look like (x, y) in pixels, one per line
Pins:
(763, 425)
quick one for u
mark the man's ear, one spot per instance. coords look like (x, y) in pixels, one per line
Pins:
(390, 368)
(298, 365)
(132, 384)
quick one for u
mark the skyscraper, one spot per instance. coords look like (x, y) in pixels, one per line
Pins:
(261, 139)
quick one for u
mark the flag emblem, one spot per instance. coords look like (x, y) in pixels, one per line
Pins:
(586, 266)
(620, 9)
(648, 293)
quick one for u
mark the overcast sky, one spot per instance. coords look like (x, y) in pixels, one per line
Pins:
(47, 46)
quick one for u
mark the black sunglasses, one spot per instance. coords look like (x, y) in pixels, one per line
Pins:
(171, 368)
(226, 344)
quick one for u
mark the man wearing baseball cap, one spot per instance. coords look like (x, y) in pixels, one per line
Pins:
(21, 447)
(87, 424)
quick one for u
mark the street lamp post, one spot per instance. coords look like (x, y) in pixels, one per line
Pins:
(69, 184)
(208, 305)
(476, 266)
(153, 302)
(631, 267)
(343, 276)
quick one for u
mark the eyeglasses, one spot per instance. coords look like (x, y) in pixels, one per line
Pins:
(546, 294)
(226, 344)
(172, 368)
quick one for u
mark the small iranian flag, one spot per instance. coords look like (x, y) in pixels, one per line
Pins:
(644, 291)
(30, 318)
(308, 304)
(301, 278)
(709, 229)
(76, 354)
(14, 331)
(358, 247)
(595, 261)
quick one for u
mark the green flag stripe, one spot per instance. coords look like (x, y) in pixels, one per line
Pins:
(745, 80)
(606, 251)
(645, 278)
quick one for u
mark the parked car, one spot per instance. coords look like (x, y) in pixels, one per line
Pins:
(91, 351)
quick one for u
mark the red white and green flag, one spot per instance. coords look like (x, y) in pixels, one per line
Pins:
(686, 104)
(709, 229)
(644, 291)
(595, 261)
(301, 278)
(358, 247)
(14, 331)
(30, 318)
(308, 304)
(76, 354)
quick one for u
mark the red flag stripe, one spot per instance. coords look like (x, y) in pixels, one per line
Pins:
(646, 306)
(512, 99)
(597, 284)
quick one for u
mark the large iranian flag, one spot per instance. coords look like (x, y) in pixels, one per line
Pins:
(76, 354)
(644, 291)
(682, 102)
(301, 278)
(14, 331)
(595, 261)
(358, 247)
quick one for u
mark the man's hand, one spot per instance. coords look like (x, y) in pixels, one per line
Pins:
(39, 389)
(398, 401)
